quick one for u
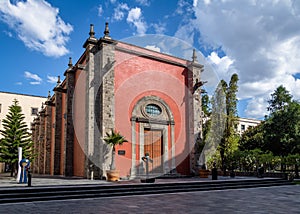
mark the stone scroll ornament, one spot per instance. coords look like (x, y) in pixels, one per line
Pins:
(24, 164)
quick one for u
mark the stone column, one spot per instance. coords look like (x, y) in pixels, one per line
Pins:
(133, 148)
(48, 139)
(195, 109)
(57, 135)
(69, 128)
(42, 142)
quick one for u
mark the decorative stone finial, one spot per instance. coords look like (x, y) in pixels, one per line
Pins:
(106, 31)
(58, 80)
(92, 32)
(70, 64)
(49, 96)
(194, 56)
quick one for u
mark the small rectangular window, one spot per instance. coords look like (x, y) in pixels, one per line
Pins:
(34, 111)
(243, 127)
(0, 107)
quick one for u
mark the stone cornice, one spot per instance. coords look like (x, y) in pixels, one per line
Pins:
(149, 56)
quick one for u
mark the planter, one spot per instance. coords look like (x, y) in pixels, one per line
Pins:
(203, 173)
(113, 175)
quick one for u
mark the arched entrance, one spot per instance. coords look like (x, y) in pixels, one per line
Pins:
(152, 124)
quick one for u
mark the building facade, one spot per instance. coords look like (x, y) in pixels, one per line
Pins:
(30, 106)
(245, 123)
(151, 98)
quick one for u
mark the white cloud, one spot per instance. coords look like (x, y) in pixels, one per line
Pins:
(256, 108)
(38, 25)
(222, 65)
(153, 47)
(100, 10)
(195, 2)
(119, 12)
(159, 28)
(143, 2)
(262, 38)
(51, 79)
(35, 77)
(135, 17)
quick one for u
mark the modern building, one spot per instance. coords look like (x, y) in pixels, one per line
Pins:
(149, 97)
(30, 106)
(245, 123)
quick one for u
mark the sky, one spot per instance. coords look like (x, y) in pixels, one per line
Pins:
(258, 40)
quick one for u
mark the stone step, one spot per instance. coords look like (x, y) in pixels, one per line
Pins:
(29, 194)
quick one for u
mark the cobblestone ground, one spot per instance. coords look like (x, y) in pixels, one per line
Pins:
(283, 199)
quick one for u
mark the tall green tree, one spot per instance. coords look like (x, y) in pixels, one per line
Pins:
(15, 134)
(213, 128)
(282, 126)
(279, 99)
(229, 141)
(253, 138)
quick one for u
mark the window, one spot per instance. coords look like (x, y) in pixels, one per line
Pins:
(153, 110)
(243, 127)
(0, 107)
(34, 111)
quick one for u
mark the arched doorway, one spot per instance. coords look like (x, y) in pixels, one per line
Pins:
(152, 124)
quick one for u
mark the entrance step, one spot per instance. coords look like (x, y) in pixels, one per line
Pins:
(30, 194)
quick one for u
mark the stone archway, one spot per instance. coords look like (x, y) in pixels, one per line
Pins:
(152, 126)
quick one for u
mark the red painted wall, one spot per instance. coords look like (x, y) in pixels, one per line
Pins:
(136, 77)
(79, 123)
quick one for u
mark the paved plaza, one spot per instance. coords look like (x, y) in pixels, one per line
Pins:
(282, 199)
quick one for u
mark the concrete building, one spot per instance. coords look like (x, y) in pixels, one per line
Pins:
(30, 106)
(245, 123)
(149, 97)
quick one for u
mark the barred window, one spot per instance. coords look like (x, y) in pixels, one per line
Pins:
(153, 110)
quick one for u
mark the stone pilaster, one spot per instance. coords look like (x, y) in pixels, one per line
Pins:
(48, 132)
(58, 130)
(195, 109)
(91, 147)
(35, 145)
(69, 128)
(105, 67)
(42, 143)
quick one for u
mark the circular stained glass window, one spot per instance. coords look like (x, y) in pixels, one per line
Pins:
(153, 110)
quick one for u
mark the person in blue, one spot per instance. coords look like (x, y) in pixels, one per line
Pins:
(24, 164)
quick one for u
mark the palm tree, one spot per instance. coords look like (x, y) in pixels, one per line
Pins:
(113, 139)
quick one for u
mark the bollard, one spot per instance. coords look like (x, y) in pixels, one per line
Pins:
(214, 172)
(29, 178)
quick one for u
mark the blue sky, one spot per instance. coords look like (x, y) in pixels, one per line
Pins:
(258, 40)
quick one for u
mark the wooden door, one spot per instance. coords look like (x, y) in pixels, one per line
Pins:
(153, 145)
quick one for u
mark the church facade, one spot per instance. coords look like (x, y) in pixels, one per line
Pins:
(151, 98)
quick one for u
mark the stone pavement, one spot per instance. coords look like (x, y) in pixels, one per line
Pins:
(273, 200)
(282, 199)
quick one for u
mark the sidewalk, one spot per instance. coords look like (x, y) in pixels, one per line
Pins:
(38, 181)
